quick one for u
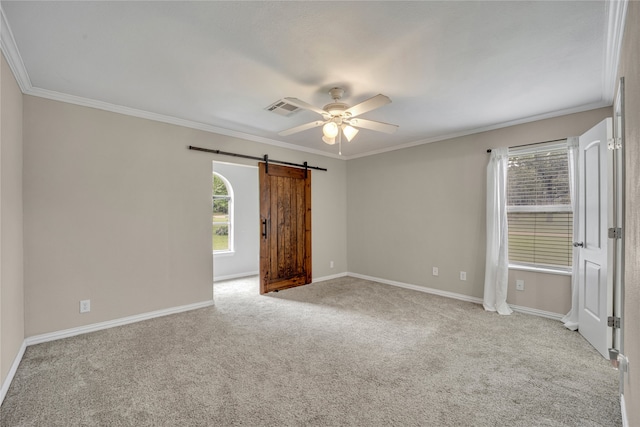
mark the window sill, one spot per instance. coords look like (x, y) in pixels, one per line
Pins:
(540, 269)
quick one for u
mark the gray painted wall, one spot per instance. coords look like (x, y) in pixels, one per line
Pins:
(422, 207)
(118, 210)
(11, 222)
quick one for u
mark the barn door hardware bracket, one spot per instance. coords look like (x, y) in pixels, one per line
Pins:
(613, 322)
(266, 163)
(615, 233)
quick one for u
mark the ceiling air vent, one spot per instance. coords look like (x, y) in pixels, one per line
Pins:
(282, 107)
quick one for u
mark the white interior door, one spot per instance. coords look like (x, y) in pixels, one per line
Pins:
(594, 274)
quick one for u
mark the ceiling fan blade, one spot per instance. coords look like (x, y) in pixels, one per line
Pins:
(304, 105)
(301, 128)
(373, 125)
(368, 105)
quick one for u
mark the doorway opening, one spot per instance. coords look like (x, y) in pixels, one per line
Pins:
(235, 215)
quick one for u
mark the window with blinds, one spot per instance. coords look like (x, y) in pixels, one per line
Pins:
(539, 208)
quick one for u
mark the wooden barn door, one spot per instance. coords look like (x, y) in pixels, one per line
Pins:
(285, 227)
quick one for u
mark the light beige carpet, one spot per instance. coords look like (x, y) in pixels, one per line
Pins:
(343, 352)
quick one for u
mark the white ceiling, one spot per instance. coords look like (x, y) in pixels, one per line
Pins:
(450, 68)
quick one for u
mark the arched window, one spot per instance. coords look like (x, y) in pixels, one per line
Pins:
(222, 214)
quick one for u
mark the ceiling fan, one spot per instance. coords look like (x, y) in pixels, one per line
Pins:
(339, 118)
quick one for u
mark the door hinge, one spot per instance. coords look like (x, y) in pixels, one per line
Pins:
(615, 233)
(613, 322)
(614, 143)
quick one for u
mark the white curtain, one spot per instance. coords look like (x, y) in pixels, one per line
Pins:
(497, 265)
(571, 319)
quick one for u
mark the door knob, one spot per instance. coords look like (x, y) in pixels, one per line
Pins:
(578, 244)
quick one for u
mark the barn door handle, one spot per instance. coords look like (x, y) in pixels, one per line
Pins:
(578, 244)
(264, 228)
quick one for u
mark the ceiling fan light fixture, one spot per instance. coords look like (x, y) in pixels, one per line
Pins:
(339, 119)
(329, 141)
(349, 131)
(330, 130)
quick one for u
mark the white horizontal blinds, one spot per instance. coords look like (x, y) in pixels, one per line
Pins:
(540, 238)
(539, 206)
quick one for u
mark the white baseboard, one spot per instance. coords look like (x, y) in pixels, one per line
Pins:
(623, 409)
(520, 309)
(235, 276)
(325, 278)
(255, 273)
(52, 336)
(12, 372)
(536, 312)
(419, 288)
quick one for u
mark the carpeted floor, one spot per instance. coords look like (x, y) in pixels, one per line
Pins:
(342, 352)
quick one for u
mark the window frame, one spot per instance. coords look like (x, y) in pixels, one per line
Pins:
(230, 222)
(560, 208)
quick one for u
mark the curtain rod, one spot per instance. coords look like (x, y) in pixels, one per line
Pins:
(533, 143)
(265, 159)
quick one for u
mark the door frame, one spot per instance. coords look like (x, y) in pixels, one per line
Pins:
(619, 219)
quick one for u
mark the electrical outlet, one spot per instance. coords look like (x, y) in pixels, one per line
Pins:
(519, 285)
(85, 306)
(435, 271)
(330, 264)
(463, 275)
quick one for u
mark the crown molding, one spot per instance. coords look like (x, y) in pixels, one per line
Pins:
(616, 11)
(12, 55)
(100, 105)
(559, 113)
